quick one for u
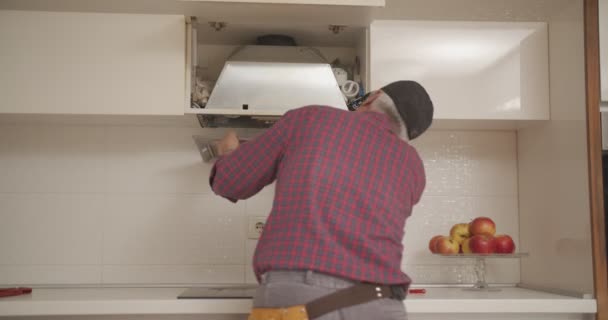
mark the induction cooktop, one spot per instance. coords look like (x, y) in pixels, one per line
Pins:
(228, 292)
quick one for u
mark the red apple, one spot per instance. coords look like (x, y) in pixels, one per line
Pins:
(482, 226)
(447, 245)
(433, 243)
(504, 244)
(466, 246)
(482, 244)
(460, 232)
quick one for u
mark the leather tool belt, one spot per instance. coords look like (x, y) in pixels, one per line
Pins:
(357, 294)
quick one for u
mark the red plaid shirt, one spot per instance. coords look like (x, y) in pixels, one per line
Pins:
(345, 185)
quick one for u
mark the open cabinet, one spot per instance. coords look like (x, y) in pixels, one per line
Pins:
(472, 69)
(282, 60)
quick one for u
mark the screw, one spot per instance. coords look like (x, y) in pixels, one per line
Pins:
(336, 28)
(217, 25)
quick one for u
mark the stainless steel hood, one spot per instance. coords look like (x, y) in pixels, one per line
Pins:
(261, 83)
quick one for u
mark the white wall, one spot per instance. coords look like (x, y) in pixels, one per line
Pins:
(604, 47)
(553, 177)
(130, 204)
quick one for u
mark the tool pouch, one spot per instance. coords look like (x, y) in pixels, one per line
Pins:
(354, 295)
(291, 313)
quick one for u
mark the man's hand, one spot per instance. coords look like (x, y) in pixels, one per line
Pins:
(229, 143)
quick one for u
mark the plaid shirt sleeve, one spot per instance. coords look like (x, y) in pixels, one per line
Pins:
(420, 179)
(253, 165)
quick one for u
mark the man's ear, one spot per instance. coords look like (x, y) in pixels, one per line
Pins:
(368, 102)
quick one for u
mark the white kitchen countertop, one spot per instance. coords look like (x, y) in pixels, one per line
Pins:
(115, 301)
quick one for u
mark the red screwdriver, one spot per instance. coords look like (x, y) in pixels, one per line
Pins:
(8, 292)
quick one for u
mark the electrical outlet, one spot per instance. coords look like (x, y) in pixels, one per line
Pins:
(255, 227)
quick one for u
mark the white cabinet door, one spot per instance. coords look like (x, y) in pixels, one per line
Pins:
(472, 70)
(91, 63)
(374, 3)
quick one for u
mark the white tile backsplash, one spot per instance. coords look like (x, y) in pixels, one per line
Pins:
(52, 159)
(50, 229)
(173, 229)
(131, 204)
(152, 159)
(494, 164)
(178, 274)
(250, 249)
(65, 274)
(448, 163)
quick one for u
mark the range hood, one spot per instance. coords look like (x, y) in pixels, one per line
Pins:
(259, 83)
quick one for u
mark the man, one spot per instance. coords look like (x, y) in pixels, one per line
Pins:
(345, 184)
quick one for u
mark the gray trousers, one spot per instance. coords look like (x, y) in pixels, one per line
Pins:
(289, 288)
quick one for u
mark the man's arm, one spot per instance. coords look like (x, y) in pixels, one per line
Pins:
(244, 171)
(420, 179)
(419, 176)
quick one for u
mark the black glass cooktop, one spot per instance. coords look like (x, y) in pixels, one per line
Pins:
(235, 292)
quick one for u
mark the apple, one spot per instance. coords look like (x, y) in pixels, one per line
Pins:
(466, 246)
(481, 244)
(504, 244)
(447, 245)
(460, 232)
(482, 226)
(433, 242)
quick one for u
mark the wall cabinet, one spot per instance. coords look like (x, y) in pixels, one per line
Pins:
(472, 70)
(91, 63)
(143, 64)
(376, 3)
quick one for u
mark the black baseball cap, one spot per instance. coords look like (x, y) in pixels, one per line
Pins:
(413, 104)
